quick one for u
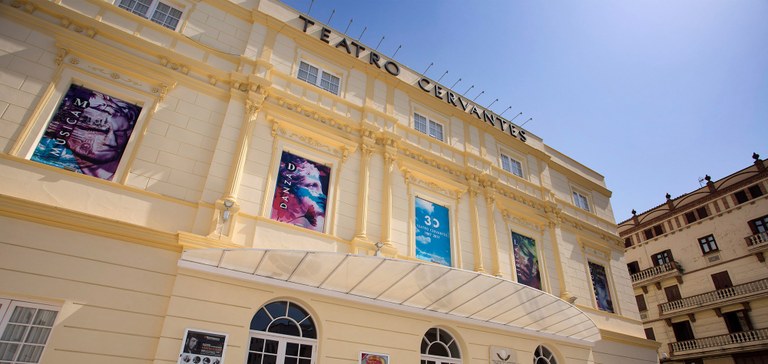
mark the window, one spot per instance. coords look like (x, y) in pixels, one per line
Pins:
(282, 332)
(580, 200)
(600, 287)
(439, 347)
(161, 13)
(542, 355)
(708, 244)
(25, 330)
(722, 280)
(641, 303)
(747, 194)
(683, 331)
(759, 225)
(512, 165)
(654, 231)
(326, 80)
(737, 321)
(633, 267)
(428, 126)
(672, 293)
(661, 258)
(697, 214)
(649, 334)
(627, 242)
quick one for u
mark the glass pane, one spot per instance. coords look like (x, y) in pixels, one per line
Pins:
(45, 318)
(292, 349)
(291, 361)
(296, 313)
(30, 354)
(8, 350)
(270, 359)
(260, 320)
(306, 351)
(431, 335)
(22, 315)
(438, 349)
(420, 123)
(14, 333)
(308, 328)
(254, 358)
(257, 344)
(277, 309)
(454, 349)
(284, 326)
(38, 335)
(305, 361)
(271, 346)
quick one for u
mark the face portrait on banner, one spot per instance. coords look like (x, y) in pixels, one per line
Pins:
(373, 358)
(526, 261)
(202, 347)
(433, 237)
(88, 133)
(600, 284)
(301, 192)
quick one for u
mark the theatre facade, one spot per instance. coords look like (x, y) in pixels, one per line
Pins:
(214, 181)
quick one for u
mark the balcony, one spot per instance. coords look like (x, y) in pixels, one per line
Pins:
(713, 298)
(657, 274)
(719, 345)
(758, 244)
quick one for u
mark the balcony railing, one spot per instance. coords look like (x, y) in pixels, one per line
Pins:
(657, 271)
(720, 295)
(757, 241)
(721, 342)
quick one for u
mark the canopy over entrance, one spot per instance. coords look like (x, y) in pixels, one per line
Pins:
(406, 285)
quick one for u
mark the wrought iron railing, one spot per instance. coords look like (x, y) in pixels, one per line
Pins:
(715, 296)
(757, 240)
(727, 341)
(656, 271)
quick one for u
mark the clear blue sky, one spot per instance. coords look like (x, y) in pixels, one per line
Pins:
(652, 94)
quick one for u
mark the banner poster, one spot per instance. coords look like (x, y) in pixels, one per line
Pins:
(301, 192)
(433, 237)
(600, 284)
(373, 358)
(88, 133)
(201, 347)
(526, 261)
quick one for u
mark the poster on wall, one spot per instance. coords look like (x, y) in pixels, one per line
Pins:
(433, 237)
(600, 284)
(301, 192)
(526, 261)
(88, 133)
(373, 358)
(202, 347)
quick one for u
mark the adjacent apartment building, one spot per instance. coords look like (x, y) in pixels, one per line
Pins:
(232, 181)
(698, 268)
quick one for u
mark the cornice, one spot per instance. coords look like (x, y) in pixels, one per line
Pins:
(614, 336)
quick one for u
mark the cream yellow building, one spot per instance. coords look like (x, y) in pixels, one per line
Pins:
(697, 264)
(222, 181)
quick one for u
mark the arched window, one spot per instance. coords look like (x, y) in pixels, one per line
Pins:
(542, 355)
(282, 332)
(439, 347)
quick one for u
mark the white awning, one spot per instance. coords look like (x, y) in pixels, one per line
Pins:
(406, 285)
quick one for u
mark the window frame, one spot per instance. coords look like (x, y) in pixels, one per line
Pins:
(756, 228)
(579, 197)
(7, 307)
(708, 244)
(510, 161)
(429, 126)
(282, 339)
(429, 358)
(152, 10)
(609, 286)
(666, 254)
(319, 77)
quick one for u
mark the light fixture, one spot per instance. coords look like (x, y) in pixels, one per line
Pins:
(227, 205)
(378, 246)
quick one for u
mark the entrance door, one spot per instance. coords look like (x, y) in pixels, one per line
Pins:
(683, 331)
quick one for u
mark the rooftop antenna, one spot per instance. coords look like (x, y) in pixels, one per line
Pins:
(430, 65)
(505, 110)
(513, 119)
(701, 181)
(310, 6)
(441, 77)
(526, 122)
(457, 81)
(489, 106)
(397, 50)
(363, 32)
(470, 87)
(329, 18)
(380, 40)
(478, 95)
(350, 23)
